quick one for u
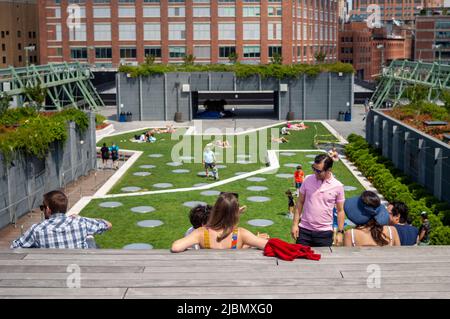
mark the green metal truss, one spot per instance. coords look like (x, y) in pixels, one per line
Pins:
(402, 74)
(67, 84)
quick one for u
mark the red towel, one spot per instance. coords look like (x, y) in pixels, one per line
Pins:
(277, 248)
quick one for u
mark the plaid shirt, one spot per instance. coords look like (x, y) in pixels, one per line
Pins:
(60, 231)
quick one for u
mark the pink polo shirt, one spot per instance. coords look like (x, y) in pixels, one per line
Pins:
(320, 199)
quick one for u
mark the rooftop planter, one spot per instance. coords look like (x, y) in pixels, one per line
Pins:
(241, 70)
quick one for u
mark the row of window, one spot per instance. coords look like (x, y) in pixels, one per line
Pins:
(170, 1)
(201, 31)
(201, 52)
(31, 34)
(31, 59)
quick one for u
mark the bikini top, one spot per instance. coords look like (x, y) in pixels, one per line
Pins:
(234, 239)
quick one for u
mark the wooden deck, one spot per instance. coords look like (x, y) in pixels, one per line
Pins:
(406, 272)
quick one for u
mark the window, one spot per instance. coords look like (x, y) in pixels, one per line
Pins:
(126, 12)
(225, 52)
(128, 53)
(102, 32)
(176, 12)
(152, 12)
(275, 50)
(127, 31)
(201, 12)
(152, 51)
(251, 12)
(274, 31)
(103, 53)
(79, 33)
(78, 53)
(102, 12)
(58, 34)
(177, 52)
(152, 31)
(251, 31)
(227, 11)
(275, 11)
(202, 52)
(177, 31)
(57, 13)
(202, 31)
(252, 51)
(4, 60)
(227, 31)
(19, 34)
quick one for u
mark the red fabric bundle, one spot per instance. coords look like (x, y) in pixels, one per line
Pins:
(277, 248)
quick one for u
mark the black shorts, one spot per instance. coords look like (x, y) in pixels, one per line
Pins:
(310, 238)
(209, 165)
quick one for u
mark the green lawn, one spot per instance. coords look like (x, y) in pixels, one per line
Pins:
(169, 207)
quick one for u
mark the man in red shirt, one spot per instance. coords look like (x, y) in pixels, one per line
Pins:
(299, 175)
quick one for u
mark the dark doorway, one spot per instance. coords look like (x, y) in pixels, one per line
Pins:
(217, 105)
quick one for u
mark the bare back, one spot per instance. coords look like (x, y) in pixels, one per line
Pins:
(208, 239)
(363, 237)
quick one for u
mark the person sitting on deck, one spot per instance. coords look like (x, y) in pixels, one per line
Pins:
(221, 231)
(371, 219)
(59, 230)
(398, 214)
(198, 217)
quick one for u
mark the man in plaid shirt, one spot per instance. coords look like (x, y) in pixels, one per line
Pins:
(59, 230)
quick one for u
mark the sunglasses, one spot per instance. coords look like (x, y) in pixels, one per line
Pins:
(317, 171)
(235, 194)
(42, 207)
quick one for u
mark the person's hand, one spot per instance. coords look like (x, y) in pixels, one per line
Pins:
(263, 235)
(294, 232)
(242, 209)
(339, 239)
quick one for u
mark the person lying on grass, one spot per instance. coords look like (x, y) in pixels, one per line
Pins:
(222, 231)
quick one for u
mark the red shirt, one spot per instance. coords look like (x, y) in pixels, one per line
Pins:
(299, 175)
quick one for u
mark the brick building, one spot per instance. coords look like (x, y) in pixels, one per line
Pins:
(111, 32)
(432, 38)
(367, 49)
(18, 30)
(403, 10)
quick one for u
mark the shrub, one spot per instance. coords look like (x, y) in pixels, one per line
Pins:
(99, 119)
(445, 217)
(435, 111)
(440, 236)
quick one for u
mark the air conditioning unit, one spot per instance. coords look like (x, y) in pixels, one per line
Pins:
(283, 87)
(185, 88)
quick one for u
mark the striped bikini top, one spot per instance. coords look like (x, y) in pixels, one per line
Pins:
(234, 238)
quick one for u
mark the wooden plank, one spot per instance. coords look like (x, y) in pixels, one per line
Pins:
(39, 269)
(396, 273)
(363, 266)
(58, 292)
(5, 256)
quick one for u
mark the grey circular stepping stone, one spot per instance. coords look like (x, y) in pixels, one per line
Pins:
(257, 188)
(202, 174)
(312, 162)
(258, 199)
(256, 179)
(311, 156)
(284, 175)
(221, 166)
(137, 246)
(142, 174)
(174, 164)
(350, 188)
(290, 165)
(287, 154)
(163, 185)
(180, 171)
(240, 173)
(155, 155)
(147, 166)
(200, 184)
(143, 209)
(210, 193)
(194, 203)
(131, 189)
(186, 158)
(110, 204)
(150, 223)
(260, 222)
(243, 162)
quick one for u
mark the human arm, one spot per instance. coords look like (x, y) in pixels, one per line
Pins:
(184, 243)
(96, 226)
(251, 240)
(396, 237)
(27, 240)
(297, 214)
(348, 239)
(341, 222)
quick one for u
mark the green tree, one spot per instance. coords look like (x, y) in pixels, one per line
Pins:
(233, 57)
(320, 57)
(36, 94)
(189, 59)
(149, 59)
(276, 58)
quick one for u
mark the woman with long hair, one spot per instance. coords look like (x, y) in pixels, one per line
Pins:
(371, 219)
(221, 231)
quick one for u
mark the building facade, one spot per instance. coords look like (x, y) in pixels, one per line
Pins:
(369, 49)
(107, 33)
(403, 10)
(432, 38)
(18, 33)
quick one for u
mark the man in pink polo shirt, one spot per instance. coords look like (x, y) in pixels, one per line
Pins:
(319, 194)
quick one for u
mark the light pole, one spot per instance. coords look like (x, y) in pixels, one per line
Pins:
(27, 49)
(437, 47)
(381, 47)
